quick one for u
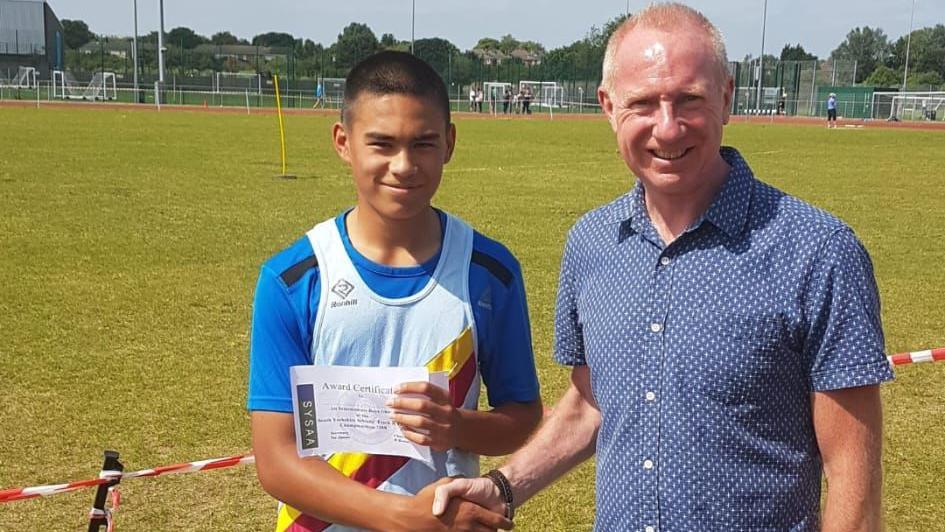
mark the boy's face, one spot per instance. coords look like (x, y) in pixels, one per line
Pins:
(396, 145)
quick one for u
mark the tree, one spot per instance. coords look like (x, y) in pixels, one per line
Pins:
(76, 33)
(532, 46)
(306, 49)
(611, 26)
(508, 44)
(884, 77)
(869, 47)
(769, 59)
(581, 60)
(437, 52)
(926, 52)
(274, 39)
(186, 38)
(487, 43)
(924, 81)
(388, 41)
(225, 37)
(355, 42)
(796, 53)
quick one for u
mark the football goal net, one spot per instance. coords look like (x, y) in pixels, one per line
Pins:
(237, 82)
(334, 90)
(909, 105)
(545, 93)
(25, 78)
(103, 86)
(493, 92)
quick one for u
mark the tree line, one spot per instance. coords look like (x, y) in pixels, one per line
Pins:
(880, 60)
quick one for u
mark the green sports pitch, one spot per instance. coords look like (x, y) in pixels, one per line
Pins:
(130, 243)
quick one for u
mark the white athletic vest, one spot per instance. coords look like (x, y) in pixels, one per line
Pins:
(355, 326)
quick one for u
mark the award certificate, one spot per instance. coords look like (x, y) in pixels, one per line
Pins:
(342, 409)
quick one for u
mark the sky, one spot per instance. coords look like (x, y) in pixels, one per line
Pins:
(818, 25)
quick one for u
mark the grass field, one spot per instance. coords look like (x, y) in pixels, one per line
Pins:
(130, 243)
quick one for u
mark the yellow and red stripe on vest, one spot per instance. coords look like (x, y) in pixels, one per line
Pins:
(373, 470)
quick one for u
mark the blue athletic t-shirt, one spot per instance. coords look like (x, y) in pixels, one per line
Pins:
(288, 292)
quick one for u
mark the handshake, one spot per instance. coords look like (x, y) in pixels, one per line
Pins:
(467, 504)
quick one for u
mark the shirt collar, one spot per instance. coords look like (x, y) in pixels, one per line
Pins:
(728, 211)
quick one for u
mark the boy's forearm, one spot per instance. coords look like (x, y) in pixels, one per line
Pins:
(499, 431)
(313, 486)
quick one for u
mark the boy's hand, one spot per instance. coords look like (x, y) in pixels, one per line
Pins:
(460, 514)
(427, 415)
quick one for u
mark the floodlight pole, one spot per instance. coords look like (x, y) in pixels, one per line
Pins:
(161, 43)
(905, 72)
(134, 50)
(761, 58)
(413, 19)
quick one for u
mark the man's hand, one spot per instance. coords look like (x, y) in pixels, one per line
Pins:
(459, 514)
(426, 415)
(481, 491)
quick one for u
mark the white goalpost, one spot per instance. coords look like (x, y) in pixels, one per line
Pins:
(25, 79)
(102, 87)
(545, 93)
(915, 105)
(237, 82)
(493, 92)
(334, 90)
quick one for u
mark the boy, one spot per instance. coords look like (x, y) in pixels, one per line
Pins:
(392, 282)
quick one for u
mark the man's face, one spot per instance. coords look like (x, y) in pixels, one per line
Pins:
(667, 107)
(396, 146)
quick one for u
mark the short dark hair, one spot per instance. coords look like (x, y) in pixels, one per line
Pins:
(392, 72)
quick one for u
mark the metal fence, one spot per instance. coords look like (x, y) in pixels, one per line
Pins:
(792, 88)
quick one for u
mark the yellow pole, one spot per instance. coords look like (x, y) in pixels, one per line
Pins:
(281, 124)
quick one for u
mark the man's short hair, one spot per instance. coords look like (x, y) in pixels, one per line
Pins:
(392, 72)
(663, 17)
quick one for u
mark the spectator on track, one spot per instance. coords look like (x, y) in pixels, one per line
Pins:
(832, 111)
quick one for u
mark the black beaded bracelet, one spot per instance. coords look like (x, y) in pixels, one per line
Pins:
(505, 490)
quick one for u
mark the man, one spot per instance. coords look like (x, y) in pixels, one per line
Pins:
(319, 93)
(724, 337)
(832, 110)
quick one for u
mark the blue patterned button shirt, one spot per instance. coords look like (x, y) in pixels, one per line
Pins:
(703, 354)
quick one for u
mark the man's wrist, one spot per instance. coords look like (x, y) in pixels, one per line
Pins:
(504, 489)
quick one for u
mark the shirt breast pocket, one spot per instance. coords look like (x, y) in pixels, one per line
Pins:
(744, 357)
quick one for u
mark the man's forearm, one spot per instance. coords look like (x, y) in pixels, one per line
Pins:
(567, 438)
(851, 508)
(848, 424)
(499, 431)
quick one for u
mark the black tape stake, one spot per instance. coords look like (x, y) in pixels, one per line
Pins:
(97, 519)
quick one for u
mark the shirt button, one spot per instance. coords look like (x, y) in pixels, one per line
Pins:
(650, 396)
(648, 464)
(656, 327)
(649, 529)
(665, 261)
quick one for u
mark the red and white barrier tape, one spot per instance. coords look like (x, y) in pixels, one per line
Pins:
(916, 357)
(17, 494)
